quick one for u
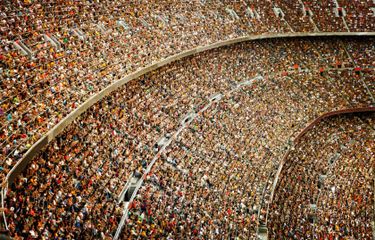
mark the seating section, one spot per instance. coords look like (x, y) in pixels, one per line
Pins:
(71, 188)
(88, 48)
(325, 190)
(296, 15)
(359, 14)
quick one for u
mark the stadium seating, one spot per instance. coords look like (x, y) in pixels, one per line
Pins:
(71, 188)
(325, 190)
(215, 177)
(73, 49)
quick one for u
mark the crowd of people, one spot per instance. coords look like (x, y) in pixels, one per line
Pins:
(74, 49)
(358, 14)
(199, 189)
(325, 190)
(72, 187)
(89, 48)
(38, 92)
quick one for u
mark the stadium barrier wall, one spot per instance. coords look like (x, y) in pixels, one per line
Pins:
(58, 128)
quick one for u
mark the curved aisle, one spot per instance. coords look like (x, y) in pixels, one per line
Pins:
(325, 63)
(71, 187)
(325, 189)
(74, 50)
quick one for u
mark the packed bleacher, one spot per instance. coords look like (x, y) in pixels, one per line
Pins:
(56, 54)
(358, 14)
(326, 190)
(71, 188)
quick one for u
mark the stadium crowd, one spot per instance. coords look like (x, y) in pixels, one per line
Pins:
(199, 188)
(325, 190)
(88, 48)
(71, 188)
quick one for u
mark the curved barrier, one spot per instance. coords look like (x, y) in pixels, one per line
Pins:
(304, 131)
(58, 128)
